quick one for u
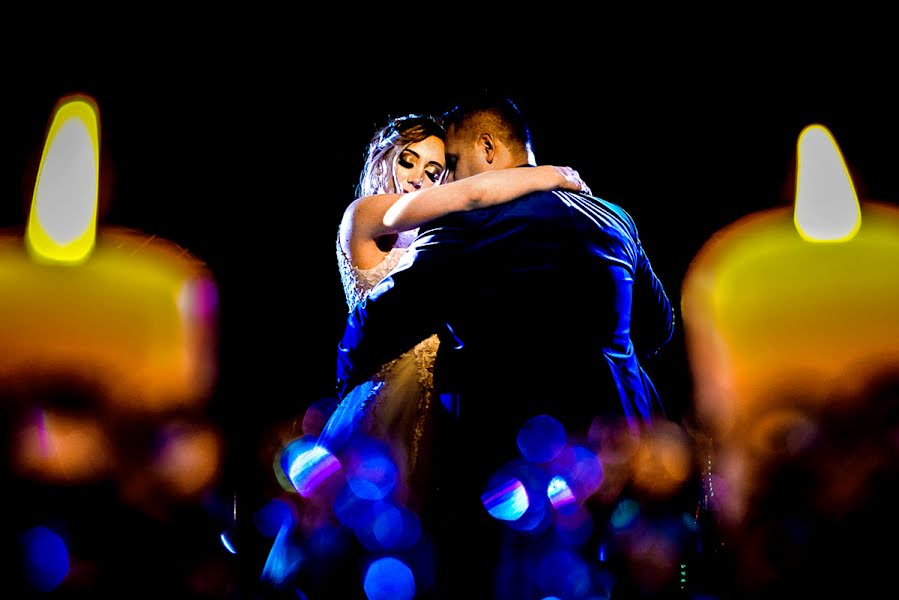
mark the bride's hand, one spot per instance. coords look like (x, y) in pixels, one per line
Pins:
(572, 180)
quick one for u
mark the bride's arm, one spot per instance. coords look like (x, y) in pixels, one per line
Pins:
(485, 189)
(368, 218)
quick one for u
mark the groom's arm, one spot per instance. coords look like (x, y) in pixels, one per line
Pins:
(407, 306)
(652, 322)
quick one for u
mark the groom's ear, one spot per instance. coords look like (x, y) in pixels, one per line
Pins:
(488, 145)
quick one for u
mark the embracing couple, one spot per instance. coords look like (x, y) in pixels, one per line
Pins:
(492, 304)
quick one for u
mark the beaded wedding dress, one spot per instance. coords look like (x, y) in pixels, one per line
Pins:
(393, 406)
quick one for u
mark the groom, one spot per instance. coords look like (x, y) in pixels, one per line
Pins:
(544, 306)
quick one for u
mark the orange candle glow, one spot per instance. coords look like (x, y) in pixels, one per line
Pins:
(804, 298)
(126, 317)
(790, 310)
(126, 312)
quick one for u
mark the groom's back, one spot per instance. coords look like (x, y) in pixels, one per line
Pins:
(540, 309)
(538, 296)
(546, 296)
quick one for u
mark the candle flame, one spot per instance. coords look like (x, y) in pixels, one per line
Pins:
(62, 223)
(826, 208)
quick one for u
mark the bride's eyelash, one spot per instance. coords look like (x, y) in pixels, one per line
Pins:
(404, 163)
(435, 177)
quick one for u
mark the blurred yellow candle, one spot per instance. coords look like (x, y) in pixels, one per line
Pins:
(125, 314)
(794, 302)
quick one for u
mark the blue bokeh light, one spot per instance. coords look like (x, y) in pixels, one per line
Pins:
(541, 439)
(507, 500)
(46, 558)
(371, 473)
(351, 510)
(389, 578)
(395, 527)
(559, 493)
(581, 470)
(270, 518)
(625, 514)
(517, 495)
(227, 542)
(308, 465)
(283, 559)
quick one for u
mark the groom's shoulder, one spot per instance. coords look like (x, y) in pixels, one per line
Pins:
(604, 214)
(533, 202)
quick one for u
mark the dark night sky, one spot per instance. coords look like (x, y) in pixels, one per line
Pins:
(248, 160)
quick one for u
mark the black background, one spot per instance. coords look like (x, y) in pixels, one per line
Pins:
(248, 158)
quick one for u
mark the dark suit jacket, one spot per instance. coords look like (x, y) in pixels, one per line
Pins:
(544, 305)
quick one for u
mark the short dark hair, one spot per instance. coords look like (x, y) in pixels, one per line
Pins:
(490, 109)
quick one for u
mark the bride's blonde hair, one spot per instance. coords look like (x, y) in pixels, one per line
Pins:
(378, 173)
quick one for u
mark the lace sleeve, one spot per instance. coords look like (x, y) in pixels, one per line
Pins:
(358, 282)
(353, 288)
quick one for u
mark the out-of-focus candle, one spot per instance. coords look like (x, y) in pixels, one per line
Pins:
(791, 326)
(795, 301)
(128, 315)
(791, 319)
(106, 335)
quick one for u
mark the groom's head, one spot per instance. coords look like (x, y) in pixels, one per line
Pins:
(483, 134)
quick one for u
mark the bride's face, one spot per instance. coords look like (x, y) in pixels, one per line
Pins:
(420, 165)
